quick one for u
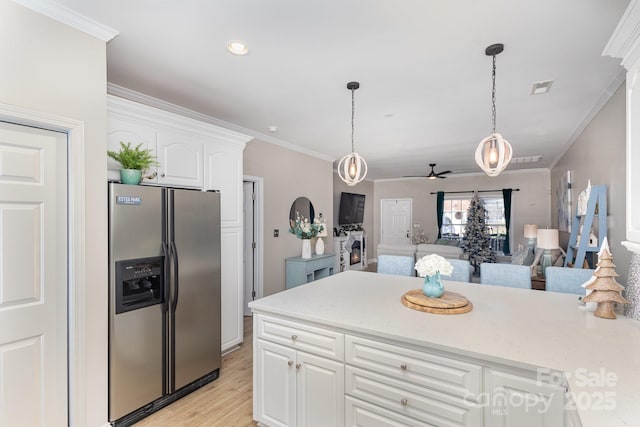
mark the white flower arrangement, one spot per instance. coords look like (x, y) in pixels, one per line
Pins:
(429, 265)
(303, 229)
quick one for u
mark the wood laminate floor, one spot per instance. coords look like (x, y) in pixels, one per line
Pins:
(226, 401)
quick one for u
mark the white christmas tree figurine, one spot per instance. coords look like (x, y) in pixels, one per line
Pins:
(604, 288)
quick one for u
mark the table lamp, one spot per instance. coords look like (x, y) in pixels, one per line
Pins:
(531, 233)
(548, 239)
(321, 234)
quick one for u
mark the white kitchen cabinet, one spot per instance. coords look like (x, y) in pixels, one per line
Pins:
(298, 374)
(515, 400)
(223, 167)
(232, 291)
(312, 374)
(195, 154)
(132, 132)
(180, 159)
(297, 388)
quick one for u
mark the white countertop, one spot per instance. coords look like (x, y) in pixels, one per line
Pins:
(522, 328)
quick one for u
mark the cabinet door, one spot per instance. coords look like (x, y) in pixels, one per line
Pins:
(522, 402)
(232, 286)
(319, 391)
(180, 158)
(119, 130)
(275, 384)
(224, 173)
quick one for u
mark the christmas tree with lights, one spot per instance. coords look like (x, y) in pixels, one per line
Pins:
(477, 240)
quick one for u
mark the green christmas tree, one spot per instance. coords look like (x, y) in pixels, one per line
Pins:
(476, 239)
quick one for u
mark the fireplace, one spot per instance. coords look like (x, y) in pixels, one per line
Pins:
(356, 253)
(351, 251)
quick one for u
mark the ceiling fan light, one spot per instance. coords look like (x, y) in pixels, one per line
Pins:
(352, 169)
(493, 144)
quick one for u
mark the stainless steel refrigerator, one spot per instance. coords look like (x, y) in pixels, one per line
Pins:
(164, 296)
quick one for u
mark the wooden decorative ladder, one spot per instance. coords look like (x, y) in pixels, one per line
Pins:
(596, 206)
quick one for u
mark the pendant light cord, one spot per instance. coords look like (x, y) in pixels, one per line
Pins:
(353, 114)
(493, 96)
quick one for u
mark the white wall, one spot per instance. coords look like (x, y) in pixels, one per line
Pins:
(530, 205)
(49, 67)
(599, 154)
(365, 187)
(287, 175)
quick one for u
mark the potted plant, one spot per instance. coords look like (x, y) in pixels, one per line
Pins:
(134, 161)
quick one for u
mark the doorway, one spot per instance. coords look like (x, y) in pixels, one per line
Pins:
(253, 212)
(395, 221)
(34, 276)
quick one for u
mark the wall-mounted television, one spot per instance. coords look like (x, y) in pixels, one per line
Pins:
(351, 209)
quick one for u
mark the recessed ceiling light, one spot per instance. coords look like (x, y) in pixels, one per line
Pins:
(273, 128)
(238, 47)
(389, 115)
(541, 87)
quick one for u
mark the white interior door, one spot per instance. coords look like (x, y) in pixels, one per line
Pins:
(249, 246)
(395, 221)
(33, 277)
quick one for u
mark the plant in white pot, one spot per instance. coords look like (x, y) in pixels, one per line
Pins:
(134, 160)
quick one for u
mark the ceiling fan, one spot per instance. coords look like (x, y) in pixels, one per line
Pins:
(432, 174)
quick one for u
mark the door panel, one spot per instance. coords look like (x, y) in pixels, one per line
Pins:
(180, 160)
(395, 220)
(33, 278)
(275, 385)
(196, 222)
(249, 251)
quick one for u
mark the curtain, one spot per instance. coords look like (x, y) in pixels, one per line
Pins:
(506, 195)
(440, 211)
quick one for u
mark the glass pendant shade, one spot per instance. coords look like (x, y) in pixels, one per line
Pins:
(352, 169)
(493, 154)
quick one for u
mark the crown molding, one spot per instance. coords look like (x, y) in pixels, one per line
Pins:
(70, 17)
(624, 42)
(133, 95)
(593, 112)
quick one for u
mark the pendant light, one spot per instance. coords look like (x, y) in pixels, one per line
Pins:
(494, 152)
(352, 168)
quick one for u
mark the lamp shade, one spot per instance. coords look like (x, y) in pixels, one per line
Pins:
(548, 238)
(530, 231)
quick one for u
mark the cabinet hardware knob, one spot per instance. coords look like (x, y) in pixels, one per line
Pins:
(404, 402)
(403, 366)
(162, 174)
(294, 337)
(290, 362)
(298, 366)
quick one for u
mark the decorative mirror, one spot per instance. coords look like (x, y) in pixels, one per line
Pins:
(304, 207)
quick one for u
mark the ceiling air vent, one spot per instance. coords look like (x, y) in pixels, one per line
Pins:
(541, 87)
(529, 159)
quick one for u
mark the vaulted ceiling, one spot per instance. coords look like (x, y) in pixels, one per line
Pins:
(425, 94)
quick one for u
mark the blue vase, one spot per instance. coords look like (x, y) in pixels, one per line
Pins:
(433, 286)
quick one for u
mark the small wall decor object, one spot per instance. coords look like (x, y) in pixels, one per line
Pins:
(603, 286)
(583, 199)
(322, 232)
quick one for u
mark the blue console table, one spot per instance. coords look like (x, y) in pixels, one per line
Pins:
(301, 270)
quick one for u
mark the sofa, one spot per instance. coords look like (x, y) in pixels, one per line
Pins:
(420, 250)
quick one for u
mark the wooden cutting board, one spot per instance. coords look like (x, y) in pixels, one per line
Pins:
(448, 303)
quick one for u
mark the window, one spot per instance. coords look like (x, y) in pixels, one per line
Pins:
(454, 219)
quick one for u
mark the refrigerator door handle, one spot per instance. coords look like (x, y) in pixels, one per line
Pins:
(176, 282)
(165, 275)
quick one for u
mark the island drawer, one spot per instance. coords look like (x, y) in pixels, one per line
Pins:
(319, 341)
(458, 378)
(411, 400)
(361, 413)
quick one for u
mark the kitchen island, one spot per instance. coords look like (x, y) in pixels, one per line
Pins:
(344, 351)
